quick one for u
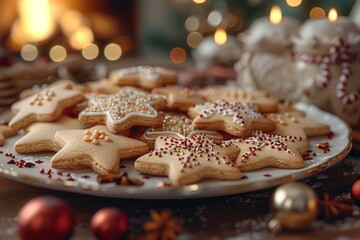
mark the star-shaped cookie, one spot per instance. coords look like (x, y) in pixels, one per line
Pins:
(189, 160)
(96, 148)
(44, 106)
(143, 76)
(178, 126)
(62, 83)
(40, 136)
(264, 103)
(180, 98)
(263, 150)
(295, 123)
(127, 108)
(5, 132)
(237, 119)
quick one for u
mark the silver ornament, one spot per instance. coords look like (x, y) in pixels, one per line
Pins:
(294, 207)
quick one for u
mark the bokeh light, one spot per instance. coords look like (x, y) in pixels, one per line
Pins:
(293, 3)
(177, 55)
(57, 53)
(317, 12)
(194, 39)
(29, 52)
(214, 18)
(333, 15)
(220, 36)
(192, 23)
(275, 15)
(112, 52)
(81, 37)
(90, 51)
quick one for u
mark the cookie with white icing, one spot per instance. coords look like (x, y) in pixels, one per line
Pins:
(177, 126)
(263, 150)
(96, 148)
(127, 108)
(190, 160)
(146, 77)
(236, 118)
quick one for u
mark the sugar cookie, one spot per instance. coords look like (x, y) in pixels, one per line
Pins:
(96, 148)
(237, 119)
(189, 160)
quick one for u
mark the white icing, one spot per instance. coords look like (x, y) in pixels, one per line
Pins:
(126, 103)
(148, 72)
(240, 112)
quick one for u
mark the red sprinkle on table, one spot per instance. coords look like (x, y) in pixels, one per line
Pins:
(306, 156)
(244, 177)
(85, 176)
(29, 164)
(11, 162)
(330, 135)
(39, 161)
(267, 175)
(42, 171)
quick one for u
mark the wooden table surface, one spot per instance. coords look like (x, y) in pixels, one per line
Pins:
(238, 216)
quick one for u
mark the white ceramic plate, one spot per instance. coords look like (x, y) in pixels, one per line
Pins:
(261, 179)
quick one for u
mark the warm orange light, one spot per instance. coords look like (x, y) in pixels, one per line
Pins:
(333, 15)
(220, 36)
(293, 3)
(36, 19)
(81, 37)
(199, 1)
(317, 12)
(178, 55)
(70, 21)
(275, 15)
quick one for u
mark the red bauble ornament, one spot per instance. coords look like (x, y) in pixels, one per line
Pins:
(355, 192)
(46, 218)
(109, 224)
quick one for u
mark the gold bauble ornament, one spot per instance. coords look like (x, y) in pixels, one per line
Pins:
(294, 207)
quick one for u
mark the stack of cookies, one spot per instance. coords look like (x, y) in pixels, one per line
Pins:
(169, 130)
(8, 92)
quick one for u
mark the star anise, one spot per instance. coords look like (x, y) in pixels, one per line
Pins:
(162, 226)
(123, 180)
(334, 209)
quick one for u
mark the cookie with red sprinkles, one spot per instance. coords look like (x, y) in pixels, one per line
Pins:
(235, 118)
(263, 150)
(190, 160)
